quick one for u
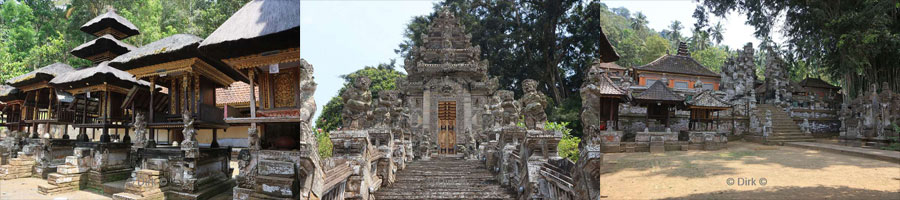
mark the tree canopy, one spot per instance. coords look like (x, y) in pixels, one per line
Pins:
(36, 33)
(855, 43)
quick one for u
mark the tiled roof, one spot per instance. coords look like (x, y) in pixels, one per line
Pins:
(678, 64)
(658, 92)
(237, 93)
(607, 87)
(819, 83)
(707, 99)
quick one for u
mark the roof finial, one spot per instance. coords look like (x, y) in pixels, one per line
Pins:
(683, 49)
(109, 8)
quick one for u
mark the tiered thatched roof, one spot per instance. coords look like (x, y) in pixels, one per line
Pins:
(100, 74)
(110, 19)
(41, 74)
(259, 26)
(101, 44)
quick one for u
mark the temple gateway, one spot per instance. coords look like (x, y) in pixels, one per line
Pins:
(447, 85)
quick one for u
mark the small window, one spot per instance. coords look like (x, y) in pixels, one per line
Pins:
(708, 86)
(681, 84)
(650, 82)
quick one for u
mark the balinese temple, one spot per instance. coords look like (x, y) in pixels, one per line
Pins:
(191, 79)
(50, 108)
(612, 70)
(261, 40)
(44, 104)
(11, 104)
(680, 70)
(704, 109)
(447, 83)
(660, 102)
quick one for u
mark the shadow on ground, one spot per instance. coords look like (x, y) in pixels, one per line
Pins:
(700, 164)
(792, 192)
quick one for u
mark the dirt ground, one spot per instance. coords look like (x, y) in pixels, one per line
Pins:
(26, 189)
(789, 173)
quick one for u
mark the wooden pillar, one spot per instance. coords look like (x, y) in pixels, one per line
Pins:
(196, 95)
(152, 92)
(252, 99)
(215, 142)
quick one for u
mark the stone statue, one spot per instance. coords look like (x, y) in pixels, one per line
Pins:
(357, 100)
(382, 110)
(534, 103)
(189, 144)
(510, 108)
(253, 136)
(308, 102)
(140, 130)
(590, 96)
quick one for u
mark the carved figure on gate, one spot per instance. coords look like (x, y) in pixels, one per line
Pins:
(357, 101)
(534, 103)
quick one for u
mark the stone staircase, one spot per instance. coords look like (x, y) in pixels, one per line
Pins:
(784, 127)
(445, 178)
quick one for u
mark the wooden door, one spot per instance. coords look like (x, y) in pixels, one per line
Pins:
(447, 128)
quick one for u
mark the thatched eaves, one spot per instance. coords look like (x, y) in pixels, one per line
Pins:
(41, 74)
(105, 43)
(172, 48)
(259, 26)
(97, 75)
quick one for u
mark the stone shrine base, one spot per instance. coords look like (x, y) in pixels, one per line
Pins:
(19, 167)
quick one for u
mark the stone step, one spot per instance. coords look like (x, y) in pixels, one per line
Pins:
(446, 178)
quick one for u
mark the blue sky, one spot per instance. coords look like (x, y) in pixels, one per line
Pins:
(339, 37)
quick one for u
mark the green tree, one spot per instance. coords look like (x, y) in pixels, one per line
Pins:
(383, 77)
(855, 42)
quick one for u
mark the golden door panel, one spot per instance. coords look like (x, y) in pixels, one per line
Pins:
(284, 89)
(447, 127)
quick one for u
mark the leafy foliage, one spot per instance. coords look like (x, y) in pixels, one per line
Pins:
(325, 146)
(568, 146)
(853, 42)
(383, 77)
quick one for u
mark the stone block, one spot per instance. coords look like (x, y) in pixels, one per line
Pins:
(69, 169)
(276, 186)
(629, 149)
(276, 169)
(657, 148)
(685, 147)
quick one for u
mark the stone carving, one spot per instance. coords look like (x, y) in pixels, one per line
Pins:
(737, 79)
(308, 102)
(140, 131)
(534, 103)
(189, 145)
(510, 108)
(777, 81)
(357, 100)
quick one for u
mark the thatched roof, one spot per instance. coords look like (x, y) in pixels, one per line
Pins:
(607, 51)
(96, 75)
(682, 63)
(102, 44)
(818, 83)
(110, 20)
(259, 26)
(10, 93)
(708, 100)
(172, 48)
(41, 74)
(658, 92)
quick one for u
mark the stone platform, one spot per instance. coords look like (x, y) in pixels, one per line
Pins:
(19, 167)
(885, 155)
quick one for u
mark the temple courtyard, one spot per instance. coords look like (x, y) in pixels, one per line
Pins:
(789, 172)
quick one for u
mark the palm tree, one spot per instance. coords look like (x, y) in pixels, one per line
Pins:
(639, 21)
(716, 32)
(675, 27)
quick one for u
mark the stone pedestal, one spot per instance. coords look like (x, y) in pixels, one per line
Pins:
(69, 176)
(539, 147)
(145, 186)
(18, 167)
(355, 148)
(611, 141)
